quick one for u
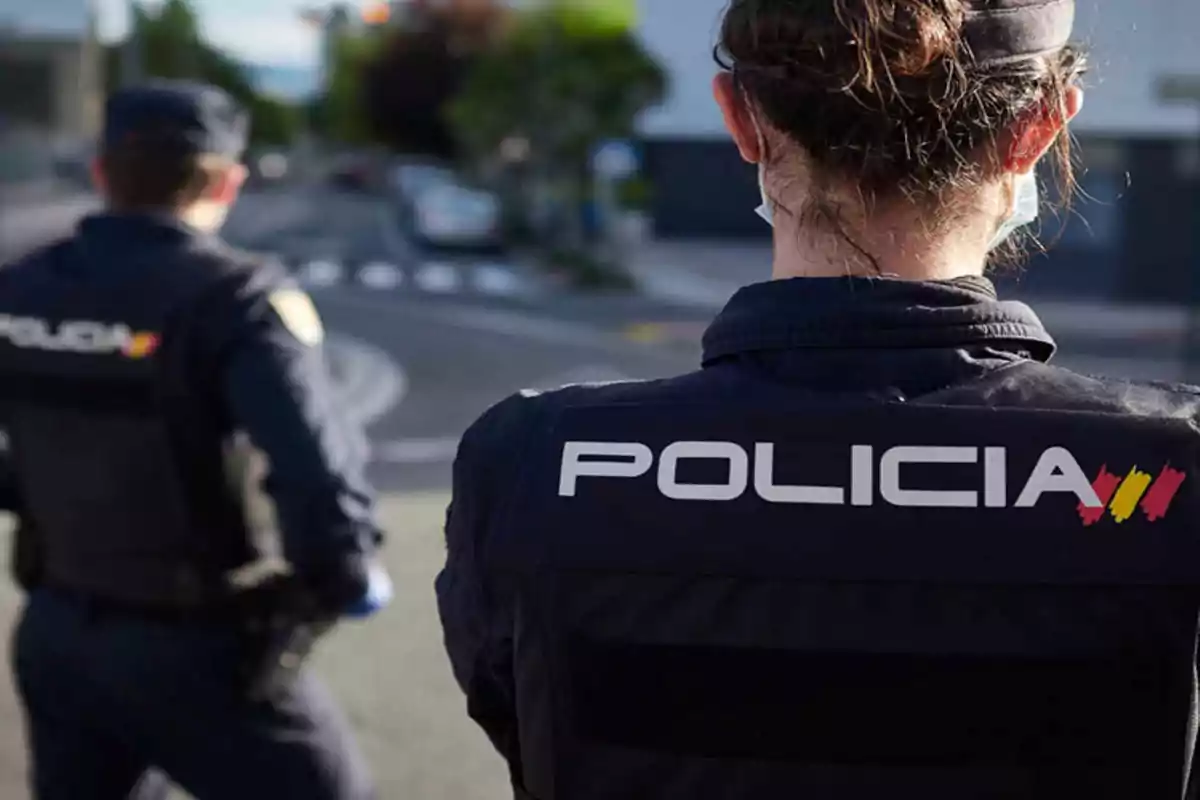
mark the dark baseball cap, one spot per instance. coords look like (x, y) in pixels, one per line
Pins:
(194, 118)
(1006, 31)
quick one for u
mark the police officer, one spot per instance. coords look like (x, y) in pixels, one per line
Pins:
(149, 374)
(876, 546)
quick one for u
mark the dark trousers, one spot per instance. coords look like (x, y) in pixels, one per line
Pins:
(109, 697)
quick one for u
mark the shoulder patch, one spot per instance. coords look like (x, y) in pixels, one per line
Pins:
(298, 314)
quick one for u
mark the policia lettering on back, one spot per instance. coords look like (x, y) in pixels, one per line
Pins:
(1056, 470)
(726, 583)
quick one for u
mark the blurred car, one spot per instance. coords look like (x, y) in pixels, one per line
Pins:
(410, 179)
(352, 172)
(440, 211)
(455, 216)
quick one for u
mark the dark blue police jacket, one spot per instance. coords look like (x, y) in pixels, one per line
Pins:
(140, 361)
(876, 547)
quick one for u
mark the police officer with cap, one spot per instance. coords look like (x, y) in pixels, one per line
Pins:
(877, 546)
(149, 376)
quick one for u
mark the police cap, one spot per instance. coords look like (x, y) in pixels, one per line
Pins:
(180, 115)
(1006, 31)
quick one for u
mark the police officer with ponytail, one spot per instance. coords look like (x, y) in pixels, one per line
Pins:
(878, 545)
(192, 505)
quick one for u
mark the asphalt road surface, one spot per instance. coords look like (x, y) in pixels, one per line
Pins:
(421, 344)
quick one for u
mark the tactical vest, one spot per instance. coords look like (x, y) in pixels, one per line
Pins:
(853, 602)
(123, 465)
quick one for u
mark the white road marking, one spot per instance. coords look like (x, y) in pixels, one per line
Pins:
(372, 383)
(321, 273)
(439, 278)
(497, 280)
(380, 275)
(416, 451)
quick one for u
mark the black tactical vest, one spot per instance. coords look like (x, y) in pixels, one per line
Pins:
(121, 460)
(854, 602)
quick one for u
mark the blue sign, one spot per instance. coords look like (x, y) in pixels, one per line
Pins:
(615, 159)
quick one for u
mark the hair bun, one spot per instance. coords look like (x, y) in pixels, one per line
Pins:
(890, 93)
(900, 38)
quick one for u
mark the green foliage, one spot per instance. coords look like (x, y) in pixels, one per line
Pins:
(343, 109)
(170, 41)
(275, 122)
(560, 82)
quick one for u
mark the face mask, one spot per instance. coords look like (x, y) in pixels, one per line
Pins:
(765, 210)
(1025, 208)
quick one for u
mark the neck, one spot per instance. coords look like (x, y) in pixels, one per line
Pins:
(205, 217)
(907, 253)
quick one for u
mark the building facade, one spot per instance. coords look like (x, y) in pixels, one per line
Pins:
(1135, 231)
(51, 96)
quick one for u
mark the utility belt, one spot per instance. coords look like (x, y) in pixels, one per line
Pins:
(282, 624)
(227, 614)
(277, 621)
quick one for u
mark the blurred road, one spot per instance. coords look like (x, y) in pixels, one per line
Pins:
(447, 342)
(421, 344)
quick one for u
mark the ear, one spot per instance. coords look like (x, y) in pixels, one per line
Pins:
(99, 180)
(738, 120)
(225, 189)
(1041, 132)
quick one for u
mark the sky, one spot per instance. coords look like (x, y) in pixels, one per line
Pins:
(260, 31)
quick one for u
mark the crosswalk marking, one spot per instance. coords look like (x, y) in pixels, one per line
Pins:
(433, 277)
(381, 275)
(438, 278)
(322, 273)
(497, 280)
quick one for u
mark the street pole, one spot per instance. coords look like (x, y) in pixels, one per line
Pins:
(1192, 364)
(1185, 90)
(131, 50)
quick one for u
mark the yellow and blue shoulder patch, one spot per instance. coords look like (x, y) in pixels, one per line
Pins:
(298, 314)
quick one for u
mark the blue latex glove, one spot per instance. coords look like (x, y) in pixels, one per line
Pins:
(378, 596)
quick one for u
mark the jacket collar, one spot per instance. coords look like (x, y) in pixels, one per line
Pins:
(873, 313)
(123, 230)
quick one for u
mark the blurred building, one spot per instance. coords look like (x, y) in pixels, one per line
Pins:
(1138, 237)
(51, 94)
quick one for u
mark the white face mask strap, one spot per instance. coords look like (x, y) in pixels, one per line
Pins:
(767, 209)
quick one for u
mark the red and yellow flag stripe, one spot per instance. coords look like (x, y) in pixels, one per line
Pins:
(1121, 497)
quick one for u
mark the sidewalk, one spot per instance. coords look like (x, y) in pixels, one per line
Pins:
(704, 274)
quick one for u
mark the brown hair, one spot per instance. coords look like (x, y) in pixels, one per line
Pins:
(886, 94)
(142, 178)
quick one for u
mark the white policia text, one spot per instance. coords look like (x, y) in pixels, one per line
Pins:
(1056, 470)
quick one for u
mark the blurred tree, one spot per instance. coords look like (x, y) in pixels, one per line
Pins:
(420, 67)
(343, 108)
(171, 47)
(563, 80)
